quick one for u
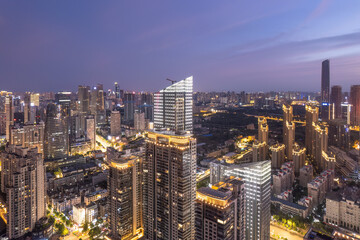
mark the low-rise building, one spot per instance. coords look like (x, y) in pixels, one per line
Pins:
(290, 207)
(321, 185)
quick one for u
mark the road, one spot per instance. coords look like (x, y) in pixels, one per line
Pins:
(282, 233)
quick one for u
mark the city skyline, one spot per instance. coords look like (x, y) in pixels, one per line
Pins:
(225, 46)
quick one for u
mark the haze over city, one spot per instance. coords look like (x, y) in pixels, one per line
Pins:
(231, 45)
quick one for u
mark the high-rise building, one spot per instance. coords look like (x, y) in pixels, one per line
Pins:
(321, 185)
(220, 211)
(263, 130)
(56, 137)
(174, 106)
(28, 136)
(283, 179)
(125, 195)
(277, 155)
(129, 102)
(90, 131)
(115, 123)
(299, 157)
(139, 121)
(325, 90)
(339, 134)
(306, 175)
(117, 90)
(27, 107)
(257, 177)
(259, 151)
(84, 99)
(9, 114)
(335, 100)
(355, 105)
(288, 130)
(23, 181)
(311, 116)
(170, 176)
(320, 143)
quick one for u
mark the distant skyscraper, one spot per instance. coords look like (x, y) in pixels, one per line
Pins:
(174, 106)
(171, 186)
(129, 102)
(27, 107)
(139, 121)
(90, 131)
(220, 211)
(23, 181)
(355, 102)
(9, 115)
(117, 90)
(325, 90)
(125, 196)
(115, 123)
(288, 130)
(263, 130)
(311, 116)
(84, 99)
(335, 100)
(320, 143)
(56, 137)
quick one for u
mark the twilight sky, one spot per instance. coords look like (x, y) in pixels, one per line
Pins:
(226, 45)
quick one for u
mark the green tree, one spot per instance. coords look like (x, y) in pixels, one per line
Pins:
(94, 232)
(85, 227)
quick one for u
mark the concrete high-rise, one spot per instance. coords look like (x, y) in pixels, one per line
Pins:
(355, 105)
(23, 181)
(288, 130)
(170, 177)
(299, 157)
(259, 151)
(335, 100)
(84, 99)
(125, 195)
(115, 123)
(28, 136)
(311, 116)
(56, 136)
(277, 155)
(139, 121)
(90, 131)
(320, 143)
(325, 90)
(129, 102)
(263, 130)
(220, 210)
(174, 106)
(117, 90)
(27, 107)
(9, 115)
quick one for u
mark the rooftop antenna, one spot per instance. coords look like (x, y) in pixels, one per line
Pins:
(172, 81)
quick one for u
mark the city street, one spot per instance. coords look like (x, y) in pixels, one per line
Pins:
(282, 233)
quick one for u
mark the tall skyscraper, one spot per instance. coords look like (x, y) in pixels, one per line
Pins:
(84, 99)
(174, 106)
(263, 130)
(27, 107)
(9, 115)
(325, 90)
(171, 186)
(129, 102)
(56, 137)
(355, 102)
(288, 130)
(115, 123)
(311, 116)
(320, 143)
(125, 195)
(257, 178)
(90, 131)
(220, 211)
(23, 181)
(335, 100)
(117, 90)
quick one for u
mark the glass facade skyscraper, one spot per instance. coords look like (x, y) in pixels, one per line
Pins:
(174, 107)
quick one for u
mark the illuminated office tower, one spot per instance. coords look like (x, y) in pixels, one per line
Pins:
(335, 100)
(288, 130)
(9, 115)
(27, 107)
(325, 90)
(299, 157)
(174, 106)
(320, 143)
(263, 130)
(277, 155)
(125, 195)
(28, 136)
(220, 211)
(56, 137)
(84, 99)
(115, 123)
(23, 181)
(117, 90)
(312, 116)
(355, 105)
(170, 176)
(257, 178)
(129, 102)
(259, 151)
